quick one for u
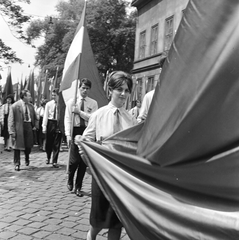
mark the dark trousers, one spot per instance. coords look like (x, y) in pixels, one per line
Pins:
(53, 140)
(75, 162)
(28, 141)
(41, 135)
(17, 153)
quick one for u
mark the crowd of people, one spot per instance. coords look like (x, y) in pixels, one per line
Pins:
(21, 125)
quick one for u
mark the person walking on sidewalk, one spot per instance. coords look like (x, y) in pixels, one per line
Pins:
(51, 130)
(21, 123)
(104, 122)
(82, 110)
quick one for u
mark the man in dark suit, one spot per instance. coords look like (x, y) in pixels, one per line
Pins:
(21, 123)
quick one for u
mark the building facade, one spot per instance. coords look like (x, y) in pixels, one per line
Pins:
(157, 23)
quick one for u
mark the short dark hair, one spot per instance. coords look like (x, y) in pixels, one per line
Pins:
(23, 93)
(85, 81)
(118, 78)
(56, 91)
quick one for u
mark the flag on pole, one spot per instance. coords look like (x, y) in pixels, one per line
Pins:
(80, 63)
(30, 86)
(55, 85)
(46, 93)
(21, 85)
(17, 91)
(8, 89)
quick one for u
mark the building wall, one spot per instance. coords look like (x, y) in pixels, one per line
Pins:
(151, 13)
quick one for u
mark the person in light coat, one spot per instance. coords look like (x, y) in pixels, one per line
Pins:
(21, 123)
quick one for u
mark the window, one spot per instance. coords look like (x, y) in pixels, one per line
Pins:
(150, 85)
(168, 33)
(154, 40)
(142, 44)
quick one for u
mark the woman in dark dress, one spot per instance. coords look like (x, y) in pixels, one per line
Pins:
(116, 118)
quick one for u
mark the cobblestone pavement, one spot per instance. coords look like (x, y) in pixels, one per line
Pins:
(36, 204)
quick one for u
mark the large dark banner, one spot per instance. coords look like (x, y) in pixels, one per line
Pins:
(177, 176)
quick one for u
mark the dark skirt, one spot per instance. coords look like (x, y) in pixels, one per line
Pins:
(102, 214)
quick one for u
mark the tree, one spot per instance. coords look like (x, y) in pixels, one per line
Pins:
(112, 34)
(15, 18)
(111, 31)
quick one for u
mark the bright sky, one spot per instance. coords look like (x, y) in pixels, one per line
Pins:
(39, 9)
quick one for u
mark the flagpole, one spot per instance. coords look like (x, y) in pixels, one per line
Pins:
(77, 83)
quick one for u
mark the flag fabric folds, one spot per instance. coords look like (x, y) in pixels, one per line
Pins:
(80, 63)
(176, 175)
(31, 86)
(46, 91)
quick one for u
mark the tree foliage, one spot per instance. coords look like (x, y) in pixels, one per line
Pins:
(111, 31)
(14, 16)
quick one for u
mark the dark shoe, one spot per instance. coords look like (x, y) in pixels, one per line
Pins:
(79, 193)
(70, 187)
(55, 165)
(27, 163)
(17, 168)
(47, 161)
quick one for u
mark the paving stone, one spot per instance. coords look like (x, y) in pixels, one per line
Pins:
(68, 224)
(66, 231)
(9, 219)
(13, 227)
(53, 221)
(39, 218)
(41, 234)
(7, 235)
(21, 237)
(27, 216)
(58, 216)
(51, 228)
(36, 225)
(82, 227)
(58, 237)
(3, 225)
(15, 213)
(28, 230)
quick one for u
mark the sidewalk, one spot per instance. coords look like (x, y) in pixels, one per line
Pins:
(36, 204)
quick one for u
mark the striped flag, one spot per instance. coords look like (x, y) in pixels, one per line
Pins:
(80, 63)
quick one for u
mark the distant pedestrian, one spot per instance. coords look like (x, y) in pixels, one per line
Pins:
(135, 110)
(51, 129)
(4, 122)
(41, 136)
(143, 113)
(21, 123)
(82, 110)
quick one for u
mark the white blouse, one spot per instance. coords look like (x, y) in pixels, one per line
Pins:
(100, 125)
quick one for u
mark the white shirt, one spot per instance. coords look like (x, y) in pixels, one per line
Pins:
(48, 113)
(134, 111)
(24, 106)
(101, 122)
(145, 106)
(90, 106)
(40, 112)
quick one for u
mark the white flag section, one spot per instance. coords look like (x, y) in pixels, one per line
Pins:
(80, 63)
(72, 59)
